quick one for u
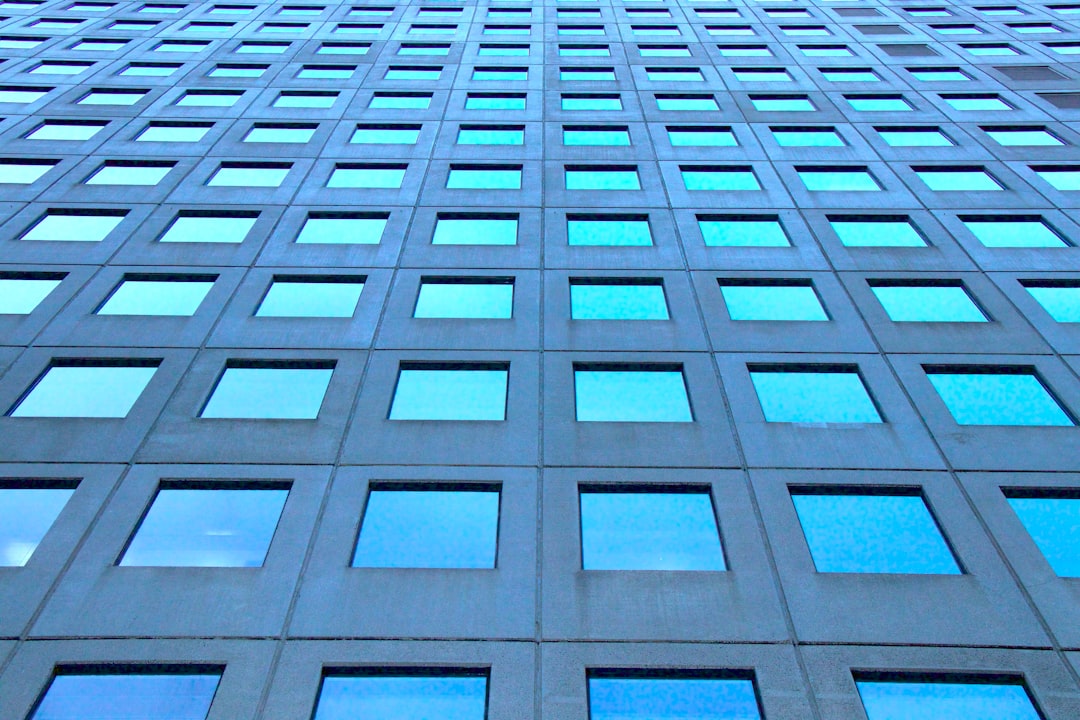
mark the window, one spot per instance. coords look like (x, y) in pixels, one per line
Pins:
(21, 293)
(600, 177)
(729, 30)
(926, 301)
(386, 134)
(976, 102)
(838, 179)
(469, 229)
(63, 225)
(409, 72)
(112, 97)
(232, 174)
(22, 94)
(297, 99)
(878, 103)
(595, 135)
(743, 50)
(662, 51)
(23, 171)
(686, 102)
(608, 230)
(199, 226)
(1060, 177)
(423, 49)
(328, 228)
(619, 696)
(938, 74)
(209, 98)
(462, 391)
(281, 390)
(989, 49)
(761, 75)
(914, 137)
(674, 74)
(701, 136)
(495, 101)
(1012, 231)
(326, 72)
(864, 530)
(719, 177)
(488, 298)
(972, 179)
(1061, 299)
(484, 177)
(826, 50)
(1022, 136)
(182, 692)
(798, 103)
(1062, 48)
(285, 133)
(403, 692)
(617, 299)
(631, 393)
(428, 527)
(649, 530)
(807, 137)
(742, 231)
(769, 299)
(66, 130)
(86, 389)
(181, 46)
(173, 132)
(311, 296)
(887, 697)
(996, 395)
(491, 135)
(502, 74)
(136, 69)
(367, 175)
(192, 524)
(346, 48)
(177, 295)
(262, 48)
(130, 172)
(813, 394)
(502, 49)
(28, 508)
(1052, 518)
(99, 45)
(237, 71)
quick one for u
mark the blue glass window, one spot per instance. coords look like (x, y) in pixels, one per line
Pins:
(742, 231)
(494, 101)
(595, 135)
(617, 299)
(914, 137)
(311, 296)
(719, 177)
(772, 300)
(249, 176)
(909, 699)
(455, 229)
(399, 101)
(878, 103)
(81, 389)
(1019, 136)
(27, 511)
(582, 177)
(881, 231)
(367, 175)
(491, 135)
(691, 103)
(386, 134)
(269, 390)
(160, 295)
(608, 230)
(958, 179)
(474, 391)
(614, 393)
(782, 104)
(64, 225)
(174, 132)
(465, 298)
(591, 102)
(202, 226)
(20, 295)
(64, 130)
(1013, 231)
(927, 302)
(701, 136)
(976, 102)
(418, 527)
(694, 695)
(343, 228)
(484, 177)
(807, 137)
(206, 527)
(996, 396)
(389, 696)
(308, 99)
(1060, 177)
(270, 133)
(1052, 518)
(1060, 299)
(813, 395)
(130, 173)
(180, 693)
(838, 179)
(854, 531)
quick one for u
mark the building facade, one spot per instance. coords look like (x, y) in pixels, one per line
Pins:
(553, 359)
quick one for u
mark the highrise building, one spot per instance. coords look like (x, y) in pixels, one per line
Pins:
(563, 359)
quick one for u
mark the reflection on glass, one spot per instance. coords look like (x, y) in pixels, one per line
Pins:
(617, 301)
(772, 302)
(26, 514)
(463, 299)
(945, 700)
(814, 397)
(1008, 398)
(631, 396)
(19, 296)
(1054, 525)
(608, 232)
(928, 303)
(393, 697)
(180, 696)
(156, 297)
(613, 698)
(269, 393)
(85, 391)
(318, 298)
(438, 394)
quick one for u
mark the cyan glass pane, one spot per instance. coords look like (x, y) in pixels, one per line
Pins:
(744, 50)
(614, 232)
(287, 298)
(172, 133)
(733, 179)
(584, 51)
(1061, 179)
(309, 100)
(922, 303)
(26, 514)
(366, 177)
(602, 180)
(85, 392)
(839, 181)
(693, 137)
(206, 528)
(428, 529)
(342, 230)
(484, 300)
(825, 51)
(503, 50)
(699, 104)
(269, 392)
(475, 231)
(500, 74)
(782, 104)
(743, 233)
(128, 175)
(649, 531)
(998, 399)
(490, 136)
(279, 134)
(977, 103)
(617, 302)
(808, 138)
(597, 136)
(1019, 233)
(675, 75)
(631, 396)
(1062, 302)
(236, 72)
(1023, 137)
(869, 233)
(248, 177)
(984, 50)
(942, 75)
(221, 229)
(585, 75)
(412, 74)
(128, 697)
(17, 95)
(684, 698)
(772, 302)
(915, 138)
(385, 697)
(962, 180)
(663, 51)
(63, 131)
(112, 98)
(401, 135)
(495, 102)
(872, 104)
(208, 100)
(761, 75)
(262, 48)
(814, 397)
(19, 296)
(73, 228)
(424, 50)
(945, 701)
(590, 103)
(450, 395)
(324, 73)
(873, 534)
(156, 297)
(488, 178)
(1054, 525)
(23, 173)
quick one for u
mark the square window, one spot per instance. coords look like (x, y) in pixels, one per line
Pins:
(876, 231)
(22, 94)
(73, 226)
(181, 46)
(927, 301)
(743, 50)
(423, 49)
(914, 137)
(856, 531)
(399, 101)
(86, 389)
(27, 510)
(311, 296)
(662, 51)
(466, 229)
(326, 72)
(183, 692)
(788, 300)
(500, 74)
(649, 530)
(617, 299)
(237, 71)
(583, 177)
(494, 101)
(696, 694)
(1020, 136)
(878, 103)
(491, 135)
(502, 50)
(429, 527)
(688, 103)
(887, 698)
(782, 104)
(976, 102)
(270, 133)
(674, 74)
(173, 132)
(813, 394)
(99, 45)
(958, 179)
(400, 693)
(484, 177)
(471, 298)
(209, 526)
(990, 395)
(463, 391)
(608, 230)
(826, 51)
(701, 136)
(208, 98)
(262, 48)
(408, 72)
(761, 75)
(595, 135)
(269, 390)
(21, 293)
(938, 74)
(838, 179)
(136, 69)
(23, 172)
(343, 228)
(368, 176)
(1060, 299)
(345, 48)
(742, 231)
(631, 393)
(319, 100)
(195, 226)
(386, 134)
(130, 173)
(584, 51)
(1060, 177)
(65, 130)
(719, 177)
(249, 176)
(807, 137)
(591, 102)
(1052, 519)
(157, 295)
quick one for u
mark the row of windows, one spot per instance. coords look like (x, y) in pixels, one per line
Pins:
(185, 692)
(864, 529)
